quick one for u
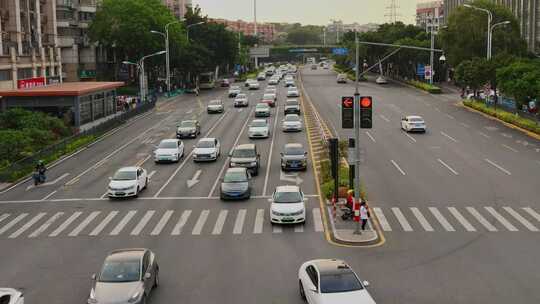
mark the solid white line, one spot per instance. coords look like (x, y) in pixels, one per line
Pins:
(269, 162)
(259, 220)
(200, 222)
(484, 134)
(103, 223)
(49, 195)
(510, 148)
(142, 223)
(65, 224)
(382, 219)
(45, 225)
(421, 219)
(239, 223)
(450, 116)
(4, 216)
(120, 226)
(449, 137)
(401, 219)
(497, 166)
(218, 227)
(465, 125)
(189, 156)
(533, 213)
(181, 222)
(501, 219)
(370, 137)
(226, 163)
(461, 219)
(84, 223)
(442, 220)
(447, 166)
(27, 225)
(412, 138)
(277, 229)
(384, 118)
(397, 167)
(13, 222)
(151, 174)
(317, 220)
(481, 219)
(162, 222)
(520, 219)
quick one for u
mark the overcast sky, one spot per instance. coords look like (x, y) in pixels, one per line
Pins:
(308, 11)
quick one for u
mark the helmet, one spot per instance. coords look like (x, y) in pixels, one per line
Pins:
(40, 162)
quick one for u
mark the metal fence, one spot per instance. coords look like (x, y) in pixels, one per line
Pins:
(51, 153)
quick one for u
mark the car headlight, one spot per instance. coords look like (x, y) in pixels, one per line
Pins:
(253, 163)
(276, 213)
(234, 164)
(298, 212)
(135, 297)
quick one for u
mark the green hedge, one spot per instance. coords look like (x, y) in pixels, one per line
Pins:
(350, 73)
(505, 116)
(249, 75)
(425, 86)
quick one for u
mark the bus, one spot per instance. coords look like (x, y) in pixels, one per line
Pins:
(207, 80)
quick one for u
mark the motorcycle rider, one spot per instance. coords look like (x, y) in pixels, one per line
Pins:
(40, 170)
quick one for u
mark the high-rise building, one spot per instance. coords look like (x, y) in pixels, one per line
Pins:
(266, 31)
(526, 11)
(28, 42)
(430, 15)
(178, 7)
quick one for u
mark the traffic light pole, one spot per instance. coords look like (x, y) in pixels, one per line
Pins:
(357, 133)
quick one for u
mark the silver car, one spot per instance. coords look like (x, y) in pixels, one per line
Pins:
(293, 157)
(127, 276)
(241, 100)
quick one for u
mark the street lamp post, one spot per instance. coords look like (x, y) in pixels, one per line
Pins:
(490, 18)
(190, 26)
(140, 67)
(167, 60)
(491, 36)
(356, 110)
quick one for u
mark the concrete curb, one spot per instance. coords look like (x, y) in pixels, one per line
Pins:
(368, 237)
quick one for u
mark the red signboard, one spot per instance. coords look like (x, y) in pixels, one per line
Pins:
(31, 83)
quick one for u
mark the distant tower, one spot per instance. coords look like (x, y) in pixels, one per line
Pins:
(392, 11)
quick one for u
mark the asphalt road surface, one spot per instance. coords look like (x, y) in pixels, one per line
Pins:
(459, 210)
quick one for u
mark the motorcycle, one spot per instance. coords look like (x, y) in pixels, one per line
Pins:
(39, 178)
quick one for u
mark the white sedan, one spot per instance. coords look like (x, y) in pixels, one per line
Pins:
(413, 123)
(293, 92)
(287, 205)
(259, 128)
(253, 85)
(207, 149)
(128, 181)
(331, 281)
(291, 122)
(169, 150)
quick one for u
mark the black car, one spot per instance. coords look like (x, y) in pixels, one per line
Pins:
(188, 128)
(235, 184)
(245, 156)
(292, 106)
(293, 157)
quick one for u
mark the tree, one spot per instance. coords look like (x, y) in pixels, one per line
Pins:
(520, 80)
(303, 35)
(473, 73)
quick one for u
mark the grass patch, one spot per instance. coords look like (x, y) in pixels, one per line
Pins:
(249, 75)
(505, 116)
(425, 86)
(327, 182)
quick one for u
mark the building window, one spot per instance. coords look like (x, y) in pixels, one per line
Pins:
(5, 75)
(85, 110)
(24, 73)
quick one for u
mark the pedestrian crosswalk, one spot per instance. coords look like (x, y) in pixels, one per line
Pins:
(135, 223)
(454, 219)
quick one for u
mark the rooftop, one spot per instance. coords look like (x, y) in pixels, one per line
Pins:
(64, 89)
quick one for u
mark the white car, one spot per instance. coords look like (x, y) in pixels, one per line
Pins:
(289, 83)
(259, 128)
(331, 281)
(128, 181)
(241, 100)
(234, 90)
(287, 205)
(291, 122)
(381, 80)
(207, 149)
(169, 150)
(413, 123)
(261, 76)
(11, 296)
(273, 81)
(271, 87)
(254, 85)
(293, 92)
(262, 110)
(215, 106)
(248, 81)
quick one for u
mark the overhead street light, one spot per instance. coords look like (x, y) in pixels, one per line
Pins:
(190, 26)
(490, 18)
(140, 68)
(167, 60)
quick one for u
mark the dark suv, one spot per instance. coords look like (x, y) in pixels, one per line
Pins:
(246, 156)
(292, 107)
(293, 157)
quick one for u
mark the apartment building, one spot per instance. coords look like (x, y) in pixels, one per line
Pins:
(430, 15)
(178, 7)
(266, 31)
(29, 53)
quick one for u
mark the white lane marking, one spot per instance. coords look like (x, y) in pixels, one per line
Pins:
(437, 109)
(370, 137)
(104, 195)
(239, 222)
(421, 219)
(450, 116)
(448, 136)
(277, 229)
(189, 156)
(410, 137)
(269, 162)
(497, 166)
(13, 223)
(194, 180)
(197, 229)
(465, 125)
(397, 167)
(120, 226)
(45, 225)
(27, 225)
(299, 228)
(384, 118)
(218, 227)
(162, 222)
(447, 166)
(84, 223)
(189, 111)
(103, 223)
(141, 162)
(480, 218)
(442, 220)
(259, 221)
(226, 163)
(181, 222)
(520, 219)
(151, 174)
(382, 219)
(461, 219)
(142, 223)
(401, 219)
(501, 219)
(317, 220)
(484, 134)
(531, 212)
(510, 148)
(49, 195)
(65, 224)
(49, 183)
(4, 216)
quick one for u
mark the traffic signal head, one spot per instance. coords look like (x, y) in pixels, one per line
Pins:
(366, 113)
(347, 112)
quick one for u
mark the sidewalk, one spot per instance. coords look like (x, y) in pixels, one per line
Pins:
(343, 230)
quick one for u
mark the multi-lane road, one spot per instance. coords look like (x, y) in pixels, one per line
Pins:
(458, 207)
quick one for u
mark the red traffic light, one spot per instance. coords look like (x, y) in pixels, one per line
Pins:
(347, 102)
(365, 102)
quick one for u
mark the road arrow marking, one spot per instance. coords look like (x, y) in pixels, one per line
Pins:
(51, 182)
(190, 111)
(293, 178)
(192, 182)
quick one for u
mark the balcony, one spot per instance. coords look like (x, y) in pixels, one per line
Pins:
(65, 41)
(88, 6)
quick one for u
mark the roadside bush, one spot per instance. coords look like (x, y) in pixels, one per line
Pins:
(425, 86)
(505, 116)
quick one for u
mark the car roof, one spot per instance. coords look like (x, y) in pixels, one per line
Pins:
(207, 139)
(127, 254)
(215, 100)
(245, 147)
(132, 168)
(189, 120)
(259, 119)
(414, 116)
(331, 266)
(235, 170)
(288, 188)
(292, 115)
(169, 140)
(294, 145)
(261, 104)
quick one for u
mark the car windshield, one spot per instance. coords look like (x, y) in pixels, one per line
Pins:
(120, 271)
(292, 89)
(205, 144)
(339, 282)
(287, 197)
(258, 123)
(215, 102)
(187, 124)
(235, 88)
(416, 120)
(262, 106)
(242, 153)
(294, 151)
(125, 175)
(167, 145)
(235, 177)
(268, 96)
(240, 96)
(292, 102)
(291, 118)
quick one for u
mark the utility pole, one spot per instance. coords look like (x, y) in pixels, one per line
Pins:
(255, 17)
(431, 56)
(324, 36)
(357, 131)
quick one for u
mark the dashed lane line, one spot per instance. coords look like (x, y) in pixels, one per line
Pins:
(397, 167)
(370, 137)
(449, 137)
(269, 162)
(497, 166)
(447, 166)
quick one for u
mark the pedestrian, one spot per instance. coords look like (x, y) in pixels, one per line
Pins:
(364, 214)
